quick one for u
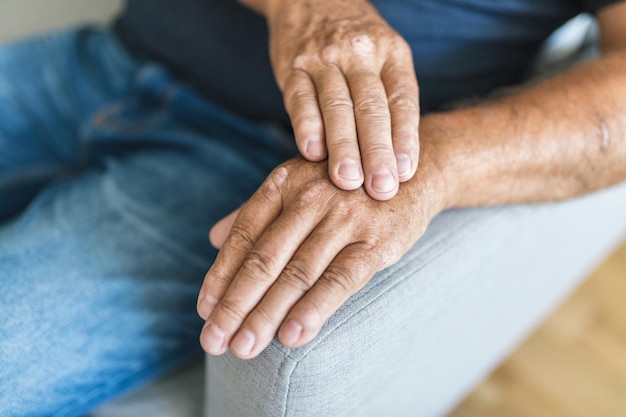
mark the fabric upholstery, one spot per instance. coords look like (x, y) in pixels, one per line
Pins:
(424, 331)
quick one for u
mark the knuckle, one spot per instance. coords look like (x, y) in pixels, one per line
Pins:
(399, 45)
(377, 151)
(307, 125)
(370, 246)
(372, 107)
(389, 258)
(310, 199)
(240, 233)
(337, 104)
(343, 147)
(373, 255)
(296, 277)
(404, 102)
(312, 192)
(299, 97)
(259, 266)
(216, 278)
(342, 278)
(262, 313)
(330, 54)
(406, 140)
(342, 206)
(271, 187)
(344, 144)
(302, 61)
(309, 312)
(379, 252)
(362, 43)
(231, 310)
(343, 213)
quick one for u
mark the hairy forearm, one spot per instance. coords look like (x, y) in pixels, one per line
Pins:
(560, 138)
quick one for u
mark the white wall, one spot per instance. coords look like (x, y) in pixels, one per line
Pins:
(19, 18)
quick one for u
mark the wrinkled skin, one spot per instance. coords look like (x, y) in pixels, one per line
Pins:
(350, 89)
(297, 250)
(300, 247)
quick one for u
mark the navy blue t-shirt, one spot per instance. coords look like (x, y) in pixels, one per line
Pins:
(461, 48)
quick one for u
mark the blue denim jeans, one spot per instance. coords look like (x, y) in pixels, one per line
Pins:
(111, 174)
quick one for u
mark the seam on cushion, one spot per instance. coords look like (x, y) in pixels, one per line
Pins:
(288, 390)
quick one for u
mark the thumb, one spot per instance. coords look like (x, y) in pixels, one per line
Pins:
(219, 232)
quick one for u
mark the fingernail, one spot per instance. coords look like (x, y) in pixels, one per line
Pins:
(315, 147)
(291, 332)
(350, 170)
(243, 342)
(213, 338)
(383, 181)
(404, 164)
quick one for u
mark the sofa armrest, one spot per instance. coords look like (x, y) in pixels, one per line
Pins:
(423, 332)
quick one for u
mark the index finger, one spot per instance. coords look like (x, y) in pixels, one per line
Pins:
(253, 219)
(398, 76)
(301, 104)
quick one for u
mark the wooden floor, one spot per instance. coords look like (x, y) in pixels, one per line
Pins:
(574, 365)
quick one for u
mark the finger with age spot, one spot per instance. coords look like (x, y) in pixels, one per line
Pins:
(373, 123)
(302, 106)
(255, 216)
(347, 274)
(398, 76)
(300, 274)
(344, 157)
(260, 269)
(219, 232)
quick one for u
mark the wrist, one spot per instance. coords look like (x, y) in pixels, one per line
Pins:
(427, 192)
(438, 163)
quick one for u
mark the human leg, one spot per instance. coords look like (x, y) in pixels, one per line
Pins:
(101, 271)
(49, 88)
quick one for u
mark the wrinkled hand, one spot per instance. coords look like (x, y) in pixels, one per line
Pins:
(350, 89)
(297, 250)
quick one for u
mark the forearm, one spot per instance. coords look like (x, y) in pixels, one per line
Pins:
(557, 139)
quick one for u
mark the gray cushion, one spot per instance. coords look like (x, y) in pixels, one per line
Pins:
(424, 331)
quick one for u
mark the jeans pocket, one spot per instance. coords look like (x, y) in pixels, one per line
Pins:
(122, 126)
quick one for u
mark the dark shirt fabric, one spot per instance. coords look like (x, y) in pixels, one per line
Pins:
(461, 48)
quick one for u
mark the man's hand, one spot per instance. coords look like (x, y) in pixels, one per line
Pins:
(350, 89)
(298, 249)
(300, 246)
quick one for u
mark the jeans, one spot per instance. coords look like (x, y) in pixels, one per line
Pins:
(111, 174)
